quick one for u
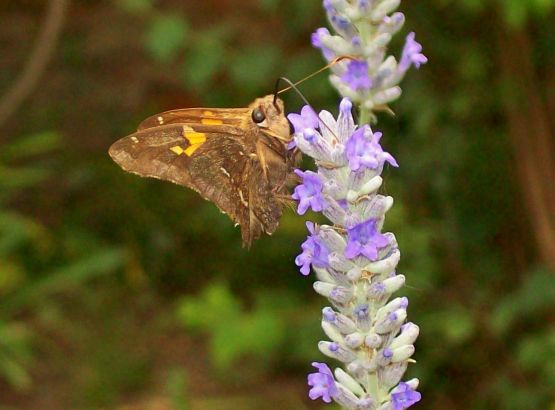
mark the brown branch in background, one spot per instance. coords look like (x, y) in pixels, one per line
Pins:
(43, 49)
(532, 139)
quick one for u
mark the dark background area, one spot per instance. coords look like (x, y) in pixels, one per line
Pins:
(118, 292)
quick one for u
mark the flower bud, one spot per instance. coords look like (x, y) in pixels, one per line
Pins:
(394, 283)
(352, 196)
(367, 403)
(408, 335)
(362, 317)
(384, 8)
(346, 398)
(332, 332)
(336, 351)
(392, 374)
(371, 186)
(354, 340)
(338, 294)
(346, 380)
(387, 96)
(335, 213)
(391, 322)
(356, 369)
(385, 265)
(333, 240)
(323, 275)
(338, 262)
(392, 306)
(402, 353)
(373, 341)
(413, 383)
(376, 290)
(340, 321)
(392, 24)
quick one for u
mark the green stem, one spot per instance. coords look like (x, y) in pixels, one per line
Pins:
(364, 116)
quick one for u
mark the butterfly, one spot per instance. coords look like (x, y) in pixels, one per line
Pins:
(238, 158)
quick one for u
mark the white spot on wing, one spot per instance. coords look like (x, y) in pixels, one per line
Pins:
(225, 172)
(245, 203)
(160, 120)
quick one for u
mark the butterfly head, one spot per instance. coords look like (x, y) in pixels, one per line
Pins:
(270, 117)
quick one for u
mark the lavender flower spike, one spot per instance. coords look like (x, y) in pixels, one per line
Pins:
(355, 266)
(363, 29)
(354, 261)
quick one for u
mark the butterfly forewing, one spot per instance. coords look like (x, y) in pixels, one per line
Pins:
(202, 116)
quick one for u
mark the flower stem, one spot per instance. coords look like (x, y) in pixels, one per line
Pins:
(364, 116)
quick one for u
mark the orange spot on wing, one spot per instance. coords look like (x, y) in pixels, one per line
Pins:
(210, 121)
(190, 150)
(195, 137)
(177, 149)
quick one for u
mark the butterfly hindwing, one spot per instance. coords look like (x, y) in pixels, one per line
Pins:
(213, 164)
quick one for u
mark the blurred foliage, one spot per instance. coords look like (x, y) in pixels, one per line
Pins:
(26, 243)
(260, 332)
(116, 289)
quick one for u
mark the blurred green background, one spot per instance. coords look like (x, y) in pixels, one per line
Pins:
(118, 292)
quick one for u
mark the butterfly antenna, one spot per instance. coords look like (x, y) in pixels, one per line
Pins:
(329, 65)
(293, 86)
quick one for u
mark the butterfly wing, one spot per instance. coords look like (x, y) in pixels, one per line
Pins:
(216, 164)
(205, 116)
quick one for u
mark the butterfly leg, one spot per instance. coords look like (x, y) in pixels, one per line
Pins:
(285, 199)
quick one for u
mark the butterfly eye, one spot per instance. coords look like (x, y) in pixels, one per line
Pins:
(291, 128)
(258, 115)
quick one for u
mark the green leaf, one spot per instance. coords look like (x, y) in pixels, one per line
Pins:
(216, 304)
(135, 6)
(176, 387)
(454, 325)
(98, 263)
(166, 36)
(516, 12)
(536, 294)
(201, 66)
(269, 5)
(17, 230)
(30, 145)
(22, 177)
(474, 5)
(534, 354)
(15, 354)
(255, 68)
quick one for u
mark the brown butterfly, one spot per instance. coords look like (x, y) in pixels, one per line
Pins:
(235, 157)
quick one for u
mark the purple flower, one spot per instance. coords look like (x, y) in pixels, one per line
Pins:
(329, 7)
(402, 396)
(363, 150)
(317, 42)
(314, 253)
(412, 54)
(309, 193)
(307, 119)
(357, 76)
(363, 4)
(364, 239)
(322, 383)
